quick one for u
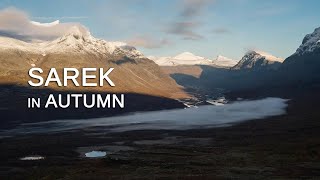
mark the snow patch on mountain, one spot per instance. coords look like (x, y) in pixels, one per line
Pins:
(269, 57)
(7, 43)
(162, 61)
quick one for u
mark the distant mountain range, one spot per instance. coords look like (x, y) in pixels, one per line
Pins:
(188, 58)
(185, 58)
(221, 72)
(259, 71)
(252, 59)
(135, 73)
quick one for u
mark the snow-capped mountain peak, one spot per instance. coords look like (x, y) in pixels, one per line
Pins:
(223, 61)
(78, 32)
(256, 54)
(258, 59)
(269, 57)
(187, 56)
(77, 40)
(310, 43)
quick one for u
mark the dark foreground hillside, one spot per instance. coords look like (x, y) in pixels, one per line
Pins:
(282, 147)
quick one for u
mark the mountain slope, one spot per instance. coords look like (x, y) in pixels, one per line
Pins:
(304, 64)
(133, 73)
(310, 44)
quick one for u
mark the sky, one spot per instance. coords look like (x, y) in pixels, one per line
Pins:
(168, 27)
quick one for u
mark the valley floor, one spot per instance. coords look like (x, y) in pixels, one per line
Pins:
(286, 146)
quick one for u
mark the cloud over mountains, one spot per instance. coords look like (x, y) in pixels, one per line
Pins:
(148, 42)
(187, 23)
(192, 8)
(17, 24)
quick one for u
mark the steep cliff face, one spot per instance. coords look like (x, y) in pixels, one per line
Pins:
(310, 44)
(304, 64)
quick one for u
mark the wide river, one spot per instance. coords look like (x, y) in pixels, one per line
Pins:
(178, 119)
